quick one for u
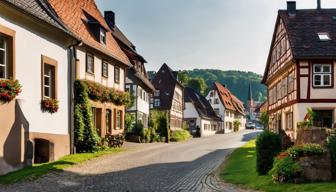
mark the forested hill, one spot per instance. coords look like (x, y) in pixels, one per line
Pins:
(236, 81)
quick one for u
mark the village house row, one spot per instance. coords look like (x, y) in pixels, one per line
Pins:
(47, 45)
(300, 70)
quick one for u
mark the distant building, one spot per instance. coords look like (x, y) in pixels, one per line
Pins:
(137, 83)
(227, 106)
(300, 70)
(168, 96)
(199, 114)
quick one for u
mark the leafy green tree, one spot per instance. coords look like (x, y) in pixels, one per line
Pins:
(264, 119)
(198, 84)
(183, 78)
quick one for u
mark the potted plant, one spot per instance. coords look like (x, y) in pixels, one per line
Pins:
(9, 89)
(49, 105)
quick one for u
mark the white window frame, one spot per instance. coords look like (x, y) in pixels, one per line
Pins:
(5, 64)
(102, 36)
(156, 93)
(157, 102)
(48, 76)
(322, 74)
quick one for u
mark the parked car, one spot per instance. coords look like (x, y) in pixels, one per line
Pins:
(259, 126)
(250, 125)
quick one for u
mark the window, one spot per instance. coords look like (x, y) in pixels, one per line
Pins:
(118, 120)
(157, 93)
(6, 53)
(322, 75)
(3, 58)
(210, 101)
(109, 121)
(105, 68)
(96, 118)
(89, 63)
(157, 102)
(49, 73)
(289, 121)
(216, 101)
(102, 36)
(116, 74)
(324, 36)
(291, 79)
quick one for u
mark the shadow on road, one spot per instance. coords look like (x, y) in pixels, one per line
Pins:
(180, 176)
(251, 135)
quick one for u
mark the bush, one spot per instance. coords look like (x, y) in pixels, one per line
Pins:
(129, 121)
(185, 126)
(180, 135)
(332, 148)
(159, 122)
(268, 145)
(285, 169)
(236, 125)
(308, 149)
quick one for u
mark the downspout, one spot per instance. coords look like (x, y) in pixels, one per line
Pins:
(71, 81)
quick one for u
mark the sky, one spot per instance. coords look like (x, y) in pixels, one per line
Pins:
(203, 34)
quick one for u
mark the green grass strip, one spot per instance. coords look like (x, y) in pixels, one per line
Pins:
(240, 169)
(36, 171)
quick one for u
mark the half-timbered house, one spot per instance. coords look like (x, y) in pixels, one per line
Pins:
(300, 68)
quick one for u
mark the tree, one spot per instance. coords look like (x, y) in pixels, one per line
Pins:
(264, 119)
(236, 125)
(183, 78)
(198, 84)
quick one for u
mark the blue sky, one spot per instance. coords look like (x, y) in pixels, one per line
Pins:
(188, 34)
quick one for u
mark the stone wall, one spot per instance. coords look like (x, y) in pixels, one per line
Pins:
(316, 168)
(311, 135)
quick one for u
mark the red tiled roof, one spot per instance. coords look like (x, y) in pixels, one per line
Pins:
(230, 101)
(72, 13)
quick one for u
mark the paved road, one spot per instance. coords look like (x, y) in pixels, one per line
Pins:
(187, 166)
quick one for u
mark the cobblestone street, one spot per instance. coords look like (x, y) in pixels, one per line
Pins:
(187, 166)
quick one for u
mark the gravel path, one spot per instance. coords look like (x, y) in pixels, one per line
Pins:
(187, 166)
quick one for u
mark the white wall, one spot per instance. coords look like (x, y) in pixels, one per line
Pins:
(28, 50)
(97, 77)
(207, 132)
(219, 106)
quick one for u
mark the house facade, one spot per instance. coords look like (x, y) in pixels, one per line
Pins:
(227, 106)
(202, 120)
(31, 53)
(168, 96)
(300, 69)
(136, 83)
(99, 59)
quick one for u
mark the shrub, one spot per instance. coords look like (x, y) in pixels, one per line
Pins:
(308, 149)
(332, 148)
(268, 145)
(159, 122)
(236, 125)
(185, 126)
(129, 121)
(180, 135)
(286, 170)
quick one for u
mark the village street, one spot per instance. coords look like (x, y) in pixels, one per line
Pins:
(187, 166)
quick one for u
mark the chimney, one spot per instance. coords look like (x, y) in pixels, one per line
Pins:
(291, 8)
(318, 4)
(110, 18)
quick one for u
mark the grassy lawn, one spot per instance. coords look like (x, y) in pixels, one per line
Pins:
(240, 169)
(30, 173)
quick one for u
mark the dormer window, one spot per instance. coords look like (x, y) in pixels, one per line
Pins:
(102, 36)
(324, 36)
